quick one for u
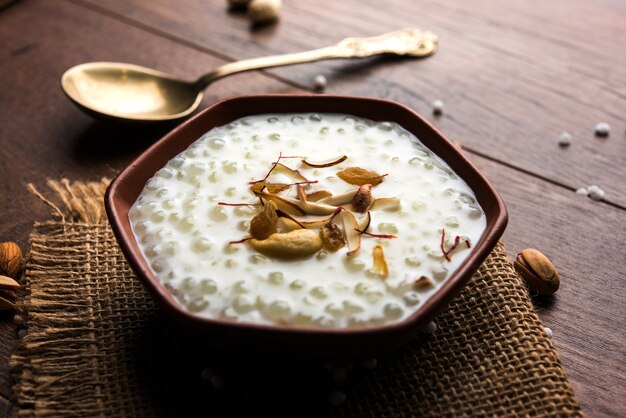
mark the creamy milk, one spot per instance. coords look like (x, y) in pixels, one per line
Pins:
(186, 235)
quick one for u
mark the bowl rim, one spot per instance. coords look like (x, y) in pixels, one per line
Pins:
(120, 223)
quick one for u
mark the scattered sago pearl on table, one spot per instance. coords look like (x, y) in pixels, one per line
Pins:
(438, 107)
(431, 328)
(217, 381)
(595, 192)
(548, 332)
(370, 363)
(320, 82)
(336, 397)
(603, 129)
(565, 139)
(264, 11)
(583, 191)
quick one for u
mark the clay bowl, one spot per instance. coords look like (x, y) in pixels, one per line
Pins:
(126, 187)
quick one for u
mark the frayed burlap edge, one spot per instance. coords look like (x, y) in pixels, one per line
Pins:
(80, 202)
(54, 349)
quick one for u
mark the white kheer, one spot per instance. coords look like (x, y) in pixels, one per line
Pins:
(355, 222)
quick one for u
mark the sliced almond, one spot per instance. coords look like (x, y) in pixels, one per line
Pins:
(391, 204)
(302, 194)
(270, 187)
(290, 204)
(287, 224)
(353, 238)
(318, 195)
(323, 164)
(365, 221)
(7, 292)
(290, 245)
(291, 219)
(309, 222)
(8, 283)
(289, 172)
(315, 208)
(339, 199)
(359, 176)
(380, 264)
(285, 204)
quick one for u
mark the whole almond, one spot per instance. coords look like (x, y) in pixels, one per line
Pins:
(8, 286)
(10, 259)
(538, 272)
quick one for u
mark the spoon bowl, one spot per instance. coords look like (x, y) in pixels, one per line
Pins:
(128, 92)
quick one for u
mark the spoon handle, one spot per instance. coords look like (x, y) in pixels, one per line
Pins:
(409, 42)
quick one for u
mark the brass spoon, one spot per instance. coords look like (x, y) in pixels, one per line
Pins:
(132, 93)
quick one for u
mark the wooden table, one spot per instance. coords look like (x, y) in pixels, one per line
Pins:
(513, 74)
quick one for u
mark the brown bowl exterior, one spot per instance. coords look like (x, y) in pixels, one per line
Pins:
(126, 187)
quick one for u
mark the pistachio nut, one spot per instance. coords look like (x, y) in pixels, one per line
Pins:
(538, 272)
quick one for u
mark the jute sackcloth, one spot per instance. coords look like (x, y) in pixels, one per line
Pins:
(98, 347)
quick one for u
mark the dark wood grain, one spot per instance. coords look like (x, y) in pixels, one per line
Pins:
(581, 238)
(513, 77)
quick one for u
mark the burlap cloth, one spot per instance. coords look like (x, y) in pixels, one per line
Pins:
(97, 346)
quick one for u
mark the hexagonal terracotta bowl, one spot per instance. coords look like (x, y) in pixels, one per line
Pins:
(127, 186)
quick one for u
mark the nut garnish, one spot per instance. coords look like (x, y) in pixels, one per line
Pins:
(324, 164)
(287, 206)
(365, 221)
(386, 203)
(339, 199)
(263, 224)
(332, 236)
(351, 231)
(363, 198)
(538, 272)
(10, 259)
(296, 206)
(359, 176)
(295, 175)
(318, 195)
(294, 244)
(7, 293)
(270, 187)
(277, 230)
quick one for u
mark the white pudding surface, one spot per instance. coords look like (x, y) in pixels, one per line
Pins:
(186, 232)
